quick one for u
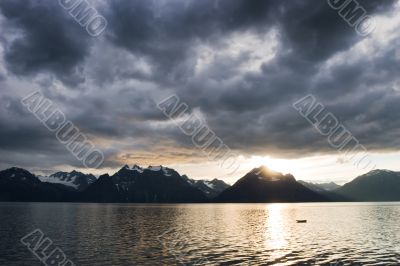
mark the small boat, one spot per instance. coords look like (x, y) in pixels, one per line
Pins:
(301, 221)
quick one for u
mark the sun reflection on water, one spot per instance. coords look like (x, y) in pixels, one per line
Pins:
(275, 231)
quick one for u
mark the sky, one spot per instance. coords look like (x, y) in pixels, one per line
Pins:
(239, 65)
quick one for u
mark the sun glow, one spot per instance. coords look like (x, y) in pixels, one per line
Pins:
(280, 165)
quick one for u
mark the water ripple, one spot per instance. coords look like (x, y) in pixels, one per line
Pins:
(219, 234)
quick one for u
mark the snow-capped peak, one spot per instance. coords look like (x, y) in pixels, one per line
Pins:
(378, 171)
(133, 168)
(154, 168)
(165, 170)
(74, 179)
(137, 168)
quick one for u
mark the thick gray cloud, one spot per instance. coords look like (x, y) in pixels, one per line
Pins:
(47, 40)
(240, 63)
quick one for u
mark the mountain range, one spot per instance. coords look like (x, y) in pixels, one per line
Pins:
(154, 184)
(159, 184)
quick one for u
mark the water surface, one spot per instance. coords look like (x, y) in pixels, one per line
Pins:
(208, 234)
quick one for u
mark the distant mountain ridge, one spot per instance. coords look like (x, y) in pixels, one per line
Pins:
(210, 188)
(154, 184)
(320, 187)
(159, 184)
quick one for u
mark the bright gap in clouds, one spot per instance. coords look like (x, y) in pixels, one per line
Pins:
(318, 169)
(247, 50)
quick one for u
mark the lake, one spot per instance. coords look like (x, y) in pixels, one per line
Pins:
(206, 234)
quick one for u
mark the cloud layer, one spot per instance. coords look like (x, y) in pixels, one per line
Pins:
(240, 64)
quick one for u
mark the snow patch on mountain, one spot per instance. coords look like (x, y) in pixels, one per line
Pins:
(136, 168)
(209, 184)
(56, 180)
(74, 179)
(165, 170)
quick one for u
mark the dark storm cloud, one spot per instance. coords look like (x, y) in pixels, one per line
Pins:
(151, 47)
(309, 33)
(47, 40)
(166, 31)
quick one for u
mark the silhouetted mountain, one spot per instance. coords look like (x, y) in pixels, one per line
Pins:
(17, 184)
(74, 180)
(210, 188)
(155, 184)
(102, 190)
(376, 185)
(158, 184)
(265, 185)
